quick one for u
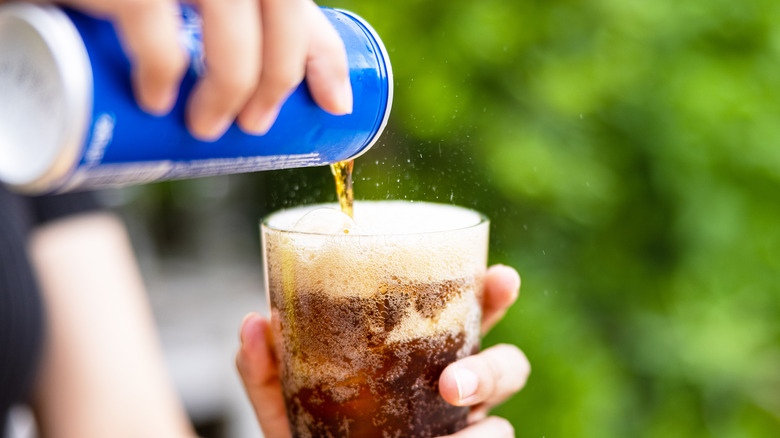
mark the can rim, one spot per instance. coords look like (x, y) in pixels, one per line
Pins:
(74, 78)
(388, 70)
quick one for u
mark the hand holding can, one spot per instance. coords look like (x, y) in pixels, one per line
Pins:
(259, 52)
(71, 122)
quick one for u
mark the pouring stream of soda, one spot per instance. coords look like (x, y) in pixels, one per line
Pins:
(342, 172)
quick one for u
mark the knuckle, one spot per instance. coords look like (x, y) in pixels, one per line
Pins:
(341, 68)
(497, 373)
(164, 66)
(132, 6)
(278, 82)
(328, 48)
(235, 82)
(221, 3)
(507, 368)
(333, 63)
(517, 358)
(272, 3)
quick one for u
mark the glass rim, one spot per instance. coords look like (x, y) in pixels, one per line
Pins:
(482, 220)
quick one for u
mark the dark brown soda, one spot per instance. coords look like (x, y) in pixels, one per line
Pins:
(385, 388)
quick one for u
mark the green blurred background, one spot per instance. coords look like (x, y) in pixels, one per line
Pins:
(627, 153)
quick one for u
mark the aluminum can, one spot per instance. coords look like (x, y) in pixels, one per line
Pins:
(69, 120)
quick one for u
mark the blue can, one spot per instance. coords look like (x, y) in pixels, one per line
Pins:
(69, 121)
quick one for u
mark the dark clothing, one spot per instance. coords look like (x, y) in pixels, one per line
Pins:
(21, 309)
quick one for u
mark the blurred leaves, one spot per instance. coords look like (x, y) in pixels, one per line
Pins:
(628, 155)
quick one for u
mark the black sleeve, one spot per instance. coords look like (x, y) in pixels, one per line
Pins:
(22, 315)
(48, 208)
(21, 309)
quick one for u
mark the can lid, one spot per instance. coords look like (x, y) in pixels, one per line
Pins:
(46, 83)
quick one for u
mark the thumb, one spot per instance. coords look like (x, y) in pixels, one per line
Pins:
(258, 370)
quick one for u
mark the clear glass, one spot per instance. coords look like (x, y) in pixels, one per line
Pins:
(364, 324)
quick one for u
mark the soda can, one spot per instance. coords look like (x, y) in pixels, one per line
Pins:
(69, 120)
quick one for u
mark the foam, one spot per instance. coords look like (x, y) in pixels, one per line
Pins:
(388, 217)
(460, 313)
(393, 243)
(324, 221)
(447, 243)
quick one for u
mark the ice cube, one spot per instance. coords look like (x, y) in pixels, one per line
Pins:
(325, 221)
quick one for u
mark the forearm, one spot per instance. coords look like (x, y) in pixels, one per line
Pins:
(103, 372)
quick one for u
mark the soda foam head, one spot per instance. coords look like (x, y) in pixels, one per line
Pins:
(373, 218)
(324, 221)
(390, 239)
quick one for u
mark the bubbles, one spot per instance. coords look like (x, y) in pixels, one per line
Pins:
(371, 318)
(376, 218)
(325, 221)
(418, 241)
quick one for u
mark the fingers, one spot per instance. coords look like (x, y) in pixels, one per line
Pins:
(148, 29)
(493, 427)
(284, 47)
(259, 373)
(231, 42)
(488, 378)
(257, 51)
(327, 74)
(502, 287)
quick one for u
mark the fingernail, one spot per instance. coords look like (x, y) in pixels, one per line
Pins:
(258, 122)
(166, 99)
(241, 327)
(513, 283)
(157, 102)
(264, 122)
(467, 383)
(344, 97)
(210, 128)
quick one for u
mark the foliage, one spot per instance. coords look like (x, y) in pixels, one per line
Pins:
(627, 154)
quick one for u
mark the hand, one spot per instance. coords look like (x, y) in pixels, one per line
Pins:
(258, 52)
(493, 375)
(485, 379)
